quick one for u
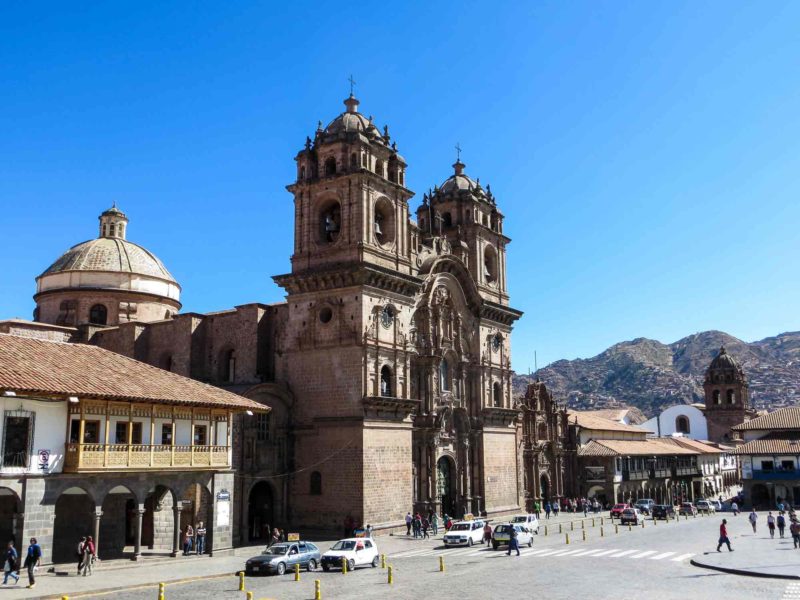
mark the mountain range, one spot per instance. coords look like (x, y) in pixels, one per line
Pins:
(651, 376)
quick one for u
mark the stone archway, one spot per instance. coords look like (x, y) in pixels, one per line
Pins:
(9, 509)
(446, 485)
(118, 523)
(74, 518)
(260, 512)
(544, 482)
(196, 508)
(158, 519)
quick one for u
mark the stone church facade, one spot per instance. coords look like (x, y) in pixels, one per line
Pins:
(387, 368)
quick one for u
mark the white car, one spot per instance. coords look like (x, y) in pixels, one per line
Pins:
(502, 535)
(358, 552)
(705, 506)
(465, 533)
(530, 522)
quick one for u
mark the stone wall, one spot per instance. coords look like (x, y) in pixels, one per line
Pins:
(500, 469)
(387, 474)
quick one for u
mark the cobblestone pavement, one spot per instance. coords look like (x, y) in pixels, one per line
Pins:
(651, 562)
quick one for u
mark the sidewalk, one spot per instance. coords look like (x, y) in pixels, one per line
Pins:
(754, 555)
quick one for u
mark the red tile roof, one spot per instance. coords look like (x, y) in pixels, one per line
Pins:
(769, 447)
(36, 366)
(701, 447)
(588, 420)
(783, 418)
(649, 447)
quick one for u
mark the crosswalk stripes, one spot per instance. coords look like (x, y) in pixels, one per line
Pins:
(792, 592)
(546, 552)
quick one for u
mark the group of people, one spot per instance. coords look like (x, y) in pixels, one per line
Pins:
(33, 557)
(194, 540)
(571, 505)
(779, 522)
(419, 524)
(87, 555)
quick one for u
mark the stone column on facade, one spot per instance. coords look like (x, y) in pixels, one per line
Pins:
(137, 550)
(176, 533)
(434, 474)
(467, 476)
(98, 513)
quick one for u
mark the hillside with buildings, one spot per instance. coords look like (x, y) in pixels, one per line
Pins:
(651, 376)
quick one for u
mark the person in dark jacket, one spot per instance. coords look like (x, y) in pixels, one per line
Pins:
(10, 564)
(513, 542)
(32, 559)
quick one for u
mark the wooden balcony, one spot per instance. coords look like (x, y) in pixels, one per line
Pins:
(82, 458)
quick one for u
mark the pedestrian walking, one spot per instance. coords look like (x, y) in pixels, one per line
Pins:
(10, 564)
(32, 559)
(794, 529)
(723, 536)
(537, 509)
(513, 543)
(188, 539)
(425, 526)
(556, 508)
(200, 536)
(487, 534)
(547, 509)
(369, 530)
(585, 504)
(753, 518)
(79, 552)
(781, 520)
(435, 524)
(735, 508)
(409, 519)
(771, 524)
(87, 559)
(417, 526)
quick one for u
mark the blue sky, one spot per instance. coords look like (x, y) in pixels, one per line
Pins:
(645, 153)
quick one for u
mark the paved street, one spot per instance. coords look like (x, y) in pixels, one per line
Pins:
(652, 562)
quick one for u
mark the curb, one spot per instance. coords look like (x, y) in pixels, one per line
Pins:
(743, 572)
(141, 586)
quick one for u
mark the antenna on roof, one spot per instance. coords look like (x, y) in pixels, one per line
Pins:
(535, 362)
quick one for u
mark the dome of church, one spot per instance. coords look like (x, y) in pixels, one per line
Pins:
(352, 121)
(110, 254)
(461, 182)
(723, 360)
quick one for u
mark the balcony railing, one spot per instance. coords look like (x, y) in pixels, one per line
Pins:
(100, 457)
(776, 475)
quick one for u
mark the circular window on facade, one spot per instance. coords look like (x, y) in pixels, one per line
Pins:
(325, 314)
(387, 316)
(497, 341)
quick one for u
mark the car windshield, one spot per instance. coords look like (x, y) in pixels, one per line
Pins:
(519, 519)
(460, 527)
(628, 511)
(502, 529)
(278, 549)
(344, 545)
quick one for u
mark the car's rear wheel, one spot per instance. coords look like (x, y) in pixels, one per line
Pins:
(469, 542)
(375, 562)
(312, 565)
(351, 565)
(281, 569)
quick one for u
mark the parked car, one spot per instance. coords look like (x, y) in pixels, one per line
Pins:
(705, 506)
(663, 511)
(616, 510)
(644, 505)
(279, 558)
(687, 508)
(529, 521)
(502, 535)
(358, 552)
(465, 533)
(631, 516)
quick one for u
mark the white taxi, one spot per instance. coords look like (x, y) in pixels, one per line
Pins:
(356, 551)
(530, 522)
(465, 533)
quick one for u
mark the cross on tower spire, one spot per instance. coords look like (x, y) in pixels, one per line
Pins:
(352, 83)
(458, 152)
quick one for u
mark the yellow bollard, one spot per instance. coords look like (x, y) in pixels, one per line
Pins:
(602, 521)
(630, 528)
(390, 579)
(344, 566)
(297, 572)
(249, 595)
(655, 521)
(642, 523)
(545, 529)
(383, 561)
(601, 532)
(317, 590)
(64, 597)
(441, 564)
(584, 535)
(571, 526)
(592, 521)
(567, 538)
(583, 524)
(241, 581)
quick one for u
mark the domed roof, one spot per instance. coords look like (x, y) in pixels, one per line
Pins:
(110, 254)
(461, 182)
(352, 121)
(723, 360)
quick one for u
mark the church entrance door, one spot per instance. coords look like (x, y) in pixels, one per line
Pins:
(259, 512)
(445, 484)
(545, 483)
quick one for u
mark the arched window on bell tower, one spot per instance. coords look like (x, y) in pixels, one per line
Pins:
(716, 397)
(386, 382)
(730, 396)
(497, 393)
